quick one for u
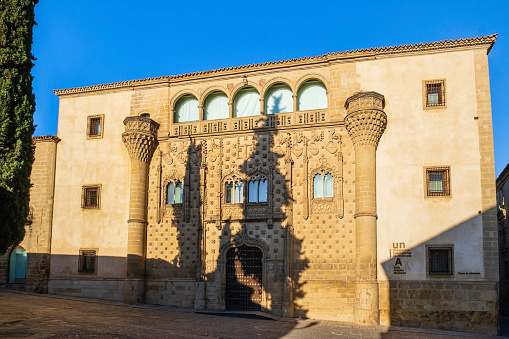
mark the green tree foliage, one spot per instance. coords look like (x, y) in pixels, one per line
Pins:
(17, 106)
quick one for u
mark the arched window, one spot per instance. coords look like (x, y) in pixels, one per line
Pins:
(257, 189)
(312, 94)
(145, 115)
(216, 106)
(279, 99)
(323, 185)
(234, 191)
(174, 193)
(247, 103)
(18, 266)
(186, 109)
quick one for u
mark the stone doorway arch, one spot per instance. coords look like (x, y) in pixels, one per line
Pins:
(18, 266)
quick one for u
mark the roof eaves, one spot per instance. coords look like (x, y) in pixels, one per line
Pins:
(429, 46)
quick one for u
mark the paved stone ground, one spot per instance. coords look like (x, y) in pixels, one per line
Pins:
(26, 315)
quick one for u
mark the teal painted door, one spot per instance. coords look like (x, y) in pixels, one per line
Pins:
(18, 266)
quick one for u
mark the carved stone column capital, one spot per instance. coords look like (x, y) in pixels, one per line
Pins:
(140, 137)
(365, 121)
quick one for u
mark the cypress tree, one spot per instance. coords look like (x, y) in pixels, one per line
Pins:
(17, 106)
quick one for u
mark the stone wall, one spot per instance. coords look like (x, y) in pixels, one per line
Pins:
(446, 305)
(37, 241)
(107, 289)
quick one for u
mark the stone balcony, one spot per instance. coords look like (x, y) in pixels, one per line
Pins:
(272, 121)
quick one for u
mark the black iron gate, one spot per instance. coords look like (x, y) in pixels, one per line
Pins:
(244, 278)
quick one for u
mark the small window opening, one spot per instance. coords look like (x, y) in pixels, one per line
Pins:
(438, 182)
(91, 197)
(87, 261)
(440, 260)
(435, 93)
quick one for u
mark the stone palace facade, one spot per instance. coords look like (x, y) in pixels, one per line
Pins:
(356, 186)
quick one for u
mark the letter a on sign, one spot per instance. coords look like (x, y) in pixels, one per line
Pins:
(398, 262)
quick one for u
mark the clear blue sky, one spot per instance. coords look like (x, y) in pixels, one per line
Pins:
(81, 43)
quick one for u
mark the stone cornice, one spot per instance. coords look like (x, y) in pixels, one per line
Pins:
(488, 41)
(46, 138)
(365, 100)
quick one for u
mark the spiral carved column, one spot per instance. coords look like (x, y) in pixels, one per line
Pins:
(365, 123)
(140, 138)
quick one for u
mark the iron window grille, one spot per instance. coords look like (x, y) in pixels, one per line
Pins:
(435, 93)
(87, 261)
(440, 260)
(438, 183)
(95, 126)
(91, 197)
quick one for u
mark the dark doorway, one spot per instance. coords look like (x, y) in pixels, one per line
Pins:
(244, 278)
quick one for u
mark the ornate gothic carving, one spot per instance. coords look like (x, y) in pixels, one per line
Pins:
(366, 120)
(140, 137)
(298, 144)
(257, 211)
(243, 238)
(233, 212)
(173, 211)
(326, 205)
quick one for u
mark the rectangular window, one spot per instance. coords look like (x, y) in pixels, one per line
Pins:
(438, 182)
(440, 260)
(434, 95)
(91, 197)
(95, 126)
(87, 261)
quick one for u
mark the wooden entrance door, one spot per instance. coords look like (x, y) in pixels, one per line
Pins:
(244, 278)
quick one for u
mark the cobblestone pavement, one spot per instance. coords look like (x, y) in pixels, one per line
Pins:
(26, 315)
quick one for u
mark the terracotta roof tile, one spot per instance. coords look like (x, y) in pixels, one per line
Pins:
(429, 46)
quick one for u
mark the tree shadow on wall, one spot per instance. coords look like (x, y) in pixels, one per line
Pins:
(233, 231)
(257, 243)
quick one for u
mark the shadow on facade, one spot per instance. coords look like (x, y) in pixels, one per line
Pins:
(440, 284)
(232, 235)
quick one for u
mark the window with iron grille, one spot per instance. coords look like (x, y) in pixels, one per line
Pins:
(435, 93)
(91, 196)
(87, 261)
(440, 260)
(95, 126)
(438, 183)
